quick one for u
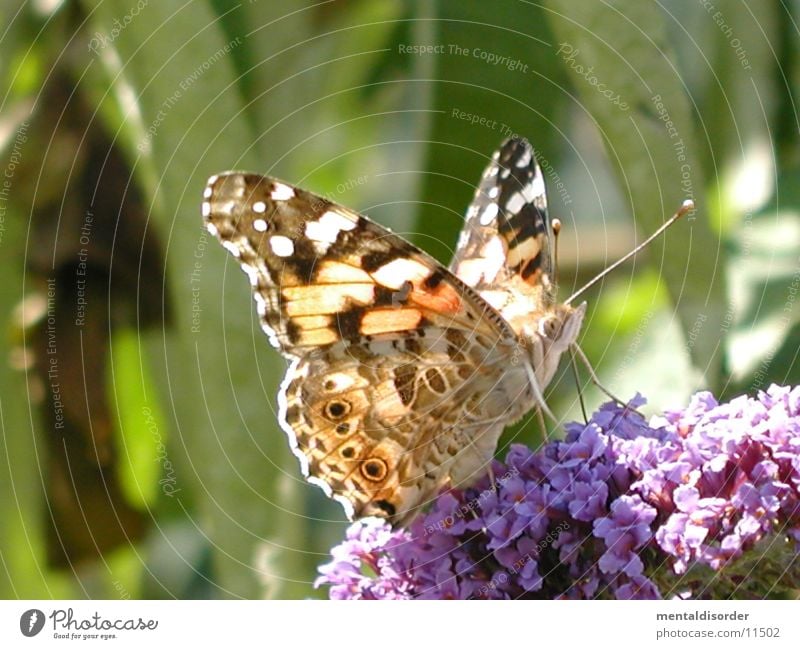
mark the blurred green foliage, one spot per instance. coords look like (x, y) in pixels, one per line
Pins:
(327, 96)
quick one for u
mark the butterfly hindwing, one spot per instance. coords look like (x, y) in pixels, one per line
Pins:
(383, 426)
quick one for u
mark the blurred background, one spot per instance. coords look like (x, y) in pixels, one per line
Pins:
(141, 453)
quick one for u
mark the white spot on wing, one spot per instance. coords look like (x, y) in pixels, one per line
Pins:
(281, 246)
(470, 271)
(489, 214)
(463, 238)
(399, 271)
(515, 203)
(232, 248)
(260, 207)
(260, 225)
(494, 256)
(327, 229)
(333, 219)
(316, 232)
(341, 381)
(253, 275)
(281, 192)
(206, 208)
(535, 189)
(483, 269)
(207, 192)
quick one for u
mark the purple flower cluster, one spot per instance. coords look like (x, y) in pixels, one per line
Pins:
(732, 474)
(598, 514)
(364, 565)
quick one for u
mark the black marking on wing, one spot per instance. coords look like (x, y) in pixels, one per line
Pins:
(508, 216)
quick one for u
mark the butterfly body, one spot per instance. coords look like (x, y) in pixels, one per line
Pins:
(403, 374)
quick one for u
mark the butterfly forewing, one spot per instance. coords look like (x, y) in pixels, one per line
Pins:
(505, 249)
(322, 273)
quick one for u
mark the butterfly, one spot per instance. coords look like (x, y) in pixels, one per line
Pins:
(403, 373)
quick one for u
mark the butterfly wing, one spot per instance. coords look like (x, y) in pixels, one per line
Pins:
(506, 247)
(384, 426)
(322, 273)
(394, 388)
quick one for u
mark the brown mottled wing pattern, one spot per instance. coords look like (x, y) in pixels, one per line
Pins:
(505, 249)
(323, 273)
(385, 425)
(392, 355)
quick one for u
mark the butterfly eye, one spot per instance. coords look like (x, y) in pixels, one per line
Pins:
(550, 328)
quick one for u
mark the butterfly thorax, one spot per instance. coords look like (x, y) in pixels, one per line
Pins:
(543, 336)
(548, 336)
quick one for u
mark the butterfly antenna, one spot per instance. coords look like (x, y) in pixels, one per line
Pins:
(556, 225)
(687, 207)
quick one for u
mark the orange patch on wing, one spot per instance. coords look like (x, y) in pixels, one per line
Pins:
(317, 337)
(535, 278)
(442, 299)
(320, 299)
(378, 321)
(309, 322)
(336, 272)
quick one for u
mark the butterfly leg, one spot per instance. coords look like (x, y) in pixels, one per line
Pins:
(578, 385)
(492, 480)
(582, 356)
(541, 404)
(542, 424)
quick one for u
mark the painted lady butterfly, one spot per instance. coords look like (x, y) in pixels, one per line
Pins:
(403, 373)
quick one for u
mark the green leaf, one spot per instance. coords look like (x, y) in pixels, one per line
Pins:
(764, 310)
(646, 124)
(22, 544)
(494, 77)
(172, 67)
(144, 463)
